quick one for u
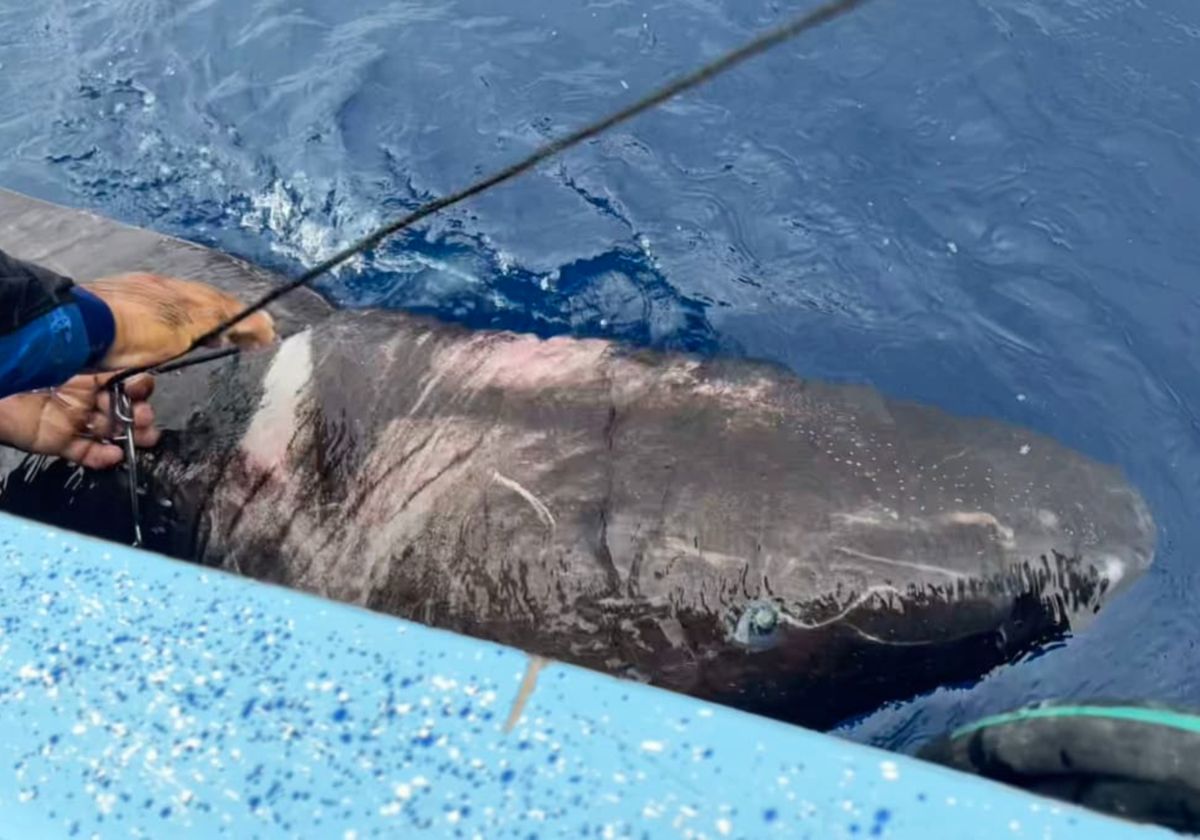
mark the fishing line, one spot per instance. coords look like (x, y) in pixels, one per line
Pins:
(768, 40)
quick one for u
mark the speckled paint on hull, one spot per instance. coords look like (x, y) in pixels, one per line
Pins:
(144, 697)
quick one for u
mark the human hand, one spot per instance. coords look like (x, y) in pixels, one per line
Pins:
(74, 420)
(158, 318)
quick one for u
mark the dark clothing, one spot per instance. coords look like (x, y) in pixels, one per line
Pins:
(27, 292)
(50, 329)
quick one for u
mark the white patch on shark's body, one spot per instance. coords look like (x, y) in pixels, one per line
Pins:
(273, 426)
(1112, 568)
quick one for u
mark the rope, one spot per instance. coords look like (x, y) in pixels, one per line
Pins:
(1181, 721)
(772, 38)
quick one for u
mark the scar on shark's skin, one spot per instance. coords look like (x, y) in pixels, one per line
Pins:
(862, 599)
(906, 564)
(537, 504)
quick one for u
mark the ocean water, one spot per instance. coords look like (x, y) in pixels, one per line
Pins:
(988, 205)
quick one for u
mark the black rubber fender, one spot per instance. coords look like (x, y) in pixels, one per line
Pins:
(1140, 762)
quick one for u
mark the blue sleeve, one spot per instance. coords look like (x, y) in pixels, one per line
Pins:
(56, 346)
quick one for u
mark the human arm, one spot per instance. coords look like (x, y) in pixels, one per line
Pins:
(51, 329)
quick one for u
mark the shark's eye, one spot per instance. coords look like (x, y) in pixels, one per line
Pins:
(758, 625)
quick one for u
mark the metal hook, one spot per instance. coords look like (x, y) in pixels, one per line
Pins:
(122, 408)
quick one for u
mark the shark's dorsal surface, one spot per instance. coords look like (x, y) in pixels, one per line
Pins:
(719, 527)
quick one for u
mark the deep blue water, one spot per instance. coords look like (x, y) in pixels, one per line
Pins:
(990, 205)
